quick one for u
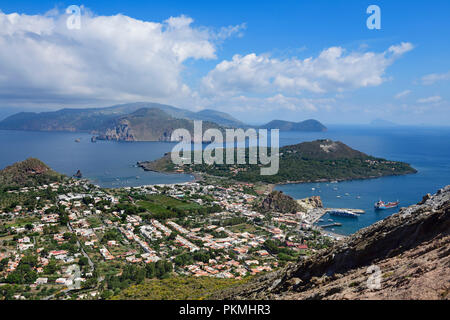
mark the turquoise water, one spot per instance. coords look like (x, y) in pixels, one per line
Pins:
(426, 149)
(108, 164)
(113, 164)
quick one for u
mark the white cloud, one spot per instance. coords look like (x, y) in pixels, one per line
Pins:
(402, 94)
(111, 58)
(333, 70)
(432, 78)
(277, 102)
(401, 48)
(430, 100)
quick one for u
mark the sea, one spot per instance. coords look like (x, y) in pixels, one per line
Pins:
(114, 164)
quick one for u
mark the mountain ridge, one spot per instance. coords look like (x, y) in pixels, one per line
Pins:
(102, 121)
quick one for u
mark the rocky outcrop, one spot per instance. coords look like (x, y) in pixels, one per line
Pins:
(122, 132)
(310, 203)
(410, 249)
(277, 201)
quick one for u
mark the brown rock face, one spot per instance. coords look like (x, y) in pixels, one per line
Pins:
(279, 202)
(410, 249)
(121, 132)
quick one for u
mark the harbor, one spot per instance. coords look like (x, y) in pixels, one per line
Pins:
(326, 226)
(317, 214)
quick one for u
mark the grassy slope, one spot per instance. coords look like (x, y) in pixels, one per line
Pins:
(30, 172)
(178, 288)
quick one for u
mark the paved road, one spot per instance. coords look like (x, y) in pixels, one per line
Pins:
(91, 264)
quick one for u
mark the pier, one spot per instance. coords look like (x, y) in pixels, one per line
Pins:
(358, 211)
(336, 224)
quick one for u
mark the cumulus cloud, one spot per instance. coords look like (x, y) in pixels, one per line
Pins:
(432, 78)
(110, 58)
(333, 70)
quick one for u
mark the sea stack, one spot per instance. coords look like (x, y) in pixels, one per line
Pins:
(78, 175)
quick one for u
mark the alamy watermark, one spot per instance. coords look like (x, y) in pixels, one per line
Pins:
(374, 20)
(234, 151)
(374, 279)
(73, 22)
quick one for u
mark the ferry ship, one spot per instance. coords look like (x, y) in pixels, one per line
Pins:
(343, 213)
(381, 205)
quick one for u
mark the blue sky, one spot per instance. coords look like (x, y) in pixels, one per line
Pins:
(248, 58)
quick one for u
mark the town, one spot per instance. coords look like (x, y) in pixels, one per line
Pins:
(75, 240)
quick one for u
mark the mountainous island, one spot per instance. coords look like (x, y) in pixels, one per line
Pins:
(316, 161)
(140, 121)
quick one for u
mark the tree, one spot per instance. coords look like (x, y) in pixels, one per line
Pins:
(83, 261)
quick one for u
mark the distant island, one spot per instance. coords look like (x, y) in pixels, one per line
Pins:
(316, 161)
(383, 123)
(307, 126)
(140, 121)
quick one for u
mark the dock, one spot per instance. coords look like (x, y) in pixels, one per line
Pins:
(358, 211)
(336, 224)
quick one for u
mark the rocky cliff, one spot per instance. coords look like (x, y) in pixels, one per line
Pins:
(310, 203)
(277, 201)
(149, 125)
(410, 250)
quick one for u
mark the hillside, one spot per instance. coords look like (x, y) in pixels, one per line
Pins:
(277, 201)
(320, 160)
(307, 126)
(411, 248)
(98, 120)
(178, 288)
(30, 172)
(148, 125)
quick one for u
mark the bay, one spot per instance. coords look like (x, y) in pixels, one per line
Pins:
(113, 164)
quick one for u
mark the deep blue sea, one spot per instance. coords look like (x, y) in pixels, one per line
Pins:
(113, 164)
(108, 164)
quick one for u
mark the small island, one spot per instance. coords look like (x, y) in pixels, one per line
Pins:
(316, 161)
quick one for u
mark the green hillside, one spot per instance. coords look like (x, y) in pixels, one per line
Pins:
(31, 172)
(320, 160)
(306, 126)
(149, 125)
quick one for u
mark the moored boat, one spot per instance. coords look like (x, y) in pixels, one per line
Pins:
(381, 205)
(343, 213)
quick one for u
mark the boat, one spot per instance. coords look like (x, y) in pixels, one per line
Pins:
(343, 213)
(381, 205)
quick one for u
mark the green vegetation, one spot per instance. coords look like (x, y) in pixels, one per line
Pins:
(165, 207)
(28, 173)
(132, 274)
(283, 253)
(178, 288)
(321, 160)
